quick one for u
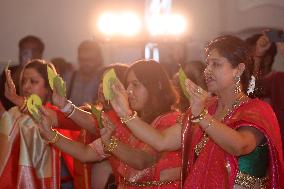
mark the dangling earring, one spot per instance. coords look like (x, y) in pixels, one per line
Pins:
(238, 85)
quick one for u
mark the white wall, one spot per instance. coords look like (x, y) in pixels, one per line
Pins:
(63, 24)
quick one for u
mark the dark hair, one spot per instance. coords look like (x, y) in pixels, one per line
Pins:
(33, 39)
(61, 65)
(162, 94)
(93, 46)
(271, 52)
(120, 70)
(236, 51)
(40, 66)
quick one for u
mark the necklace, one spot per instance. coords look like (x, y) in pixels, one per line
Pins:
(204, 140)
(236, 103)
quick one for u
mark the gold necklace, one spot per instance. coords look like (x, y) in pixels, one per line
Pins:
(228, 111)
(204, 140)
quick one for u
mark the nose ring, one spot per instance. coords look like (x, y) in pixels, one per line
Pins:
(130, 92)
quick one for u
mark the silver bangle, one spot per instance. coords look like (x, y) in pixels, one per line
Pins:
(67, 107)
(72, 112)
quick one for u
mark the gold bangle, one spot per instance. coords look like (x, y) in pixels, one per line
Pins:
(196, 119)
(55, 138)
(111, 146)
(129, 118)
(210, 124)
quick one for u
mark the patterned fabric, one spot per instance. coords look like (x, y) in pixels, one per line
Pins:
(152, 174)
(26, 160)
(214, 168)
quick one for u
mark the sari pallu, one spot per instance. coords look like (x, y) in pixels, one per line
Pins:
(26, 161)
(126, 176)
(214, 168)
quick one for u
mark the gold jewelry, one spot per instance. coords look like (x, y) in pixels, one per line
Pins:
(201, 116)
(154, 183)
(238, 85)
(199, 90)
(200, 146)
(129, 118)
(55, 138)
(111, 146)
(210, 124)
(248, 181)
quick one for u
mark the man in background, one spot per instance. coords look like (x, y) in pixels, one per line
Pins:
(84, 82)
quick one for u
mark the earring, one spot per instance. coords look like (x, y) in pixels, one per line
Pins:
(237, 85)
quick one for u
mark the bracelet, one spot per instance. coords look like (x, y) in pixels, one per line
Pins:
(55, 138)
(67, 107)
(196, 119)
(129, 118)
(111, 146)
(24, 105)
(210, 124)
(72, 112)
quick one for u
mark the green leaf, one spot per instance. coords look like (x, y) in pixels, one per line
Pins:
(59, 85)
(182, 78)
(51, 75)
(33, 104)
(108, 80)
(97, 112)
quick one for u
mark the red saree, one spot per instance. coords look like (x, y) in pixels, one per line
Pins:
(214, 168)
(26, 161)
(125, 174)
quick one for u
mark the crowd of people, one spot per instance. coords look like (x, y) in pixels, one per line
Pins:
(226, 134)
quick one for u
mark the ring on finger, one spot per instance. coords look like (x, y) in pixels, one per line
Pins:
(199, 90)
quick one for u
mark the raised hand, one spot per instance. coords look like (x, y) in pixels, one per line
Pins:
(120, 100)
(58, 100)
(45, 125)
(197, 95)
(10, 88)
(262, 45)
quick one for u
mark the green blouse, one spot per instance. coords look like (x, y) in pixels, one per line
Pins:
(256, 162)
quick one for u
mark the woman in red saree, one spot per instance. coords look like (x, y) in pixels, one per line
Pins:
(134, 163)
(230, 140)
(241, 146)
(27, 161)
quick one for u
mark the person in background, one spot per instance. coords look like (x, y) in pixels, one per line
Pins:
(30, 47)
(64, 69)
(272, 81)
(84, 82)
(263, 55)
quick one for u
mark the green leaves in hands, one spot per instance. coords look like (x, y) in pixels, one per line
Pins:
(97, 112)
(34, 103)
(182, 78)
(55, 81)
(51, 75)
(59, 85)
(108, 80)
